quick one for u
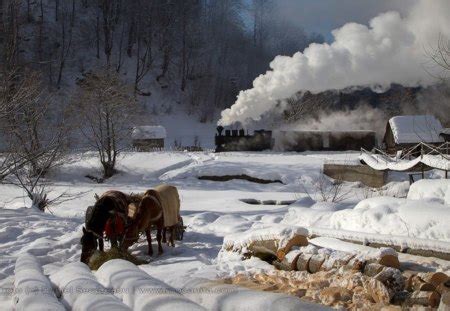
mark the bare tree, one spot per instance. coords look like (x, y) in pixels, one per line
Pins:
(441, 54)
(28, 136)
(33, 133)
(34, 183)
(104, 103)
(328, 190)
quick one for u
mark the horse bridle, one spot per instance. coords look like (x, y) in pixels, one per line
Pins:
(94, 233)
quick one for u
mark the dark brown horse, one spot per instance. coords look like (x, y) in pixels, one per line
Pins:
(111, 203)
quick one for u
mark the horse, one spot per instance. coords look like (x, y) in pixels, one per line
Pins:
(160, 208)
(111, 205)
(149, 213)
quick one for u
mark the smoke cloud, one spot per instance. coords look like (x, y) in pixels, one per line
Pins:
(392, 49)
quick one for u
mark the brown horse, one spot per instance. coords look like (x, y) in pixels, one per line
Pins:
(149, 213)
(159, 207)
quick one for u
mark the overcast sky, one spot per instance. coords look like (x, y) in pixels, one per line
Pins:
(322, 16)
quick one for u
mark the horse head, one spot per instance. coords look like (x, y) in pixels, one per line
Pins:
(88, 245)
(151, 207)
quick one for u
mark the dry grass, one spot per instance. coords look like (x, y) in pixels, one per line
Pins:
(100, 258)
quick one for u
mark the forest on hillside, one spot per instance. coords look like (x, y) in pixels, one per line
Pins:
(196, 53)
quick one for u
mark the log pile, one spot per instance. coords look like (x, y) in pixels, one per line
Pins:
(345, 279)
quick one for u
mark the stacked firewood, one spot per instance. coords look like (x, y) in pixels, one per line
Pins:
(344, 279)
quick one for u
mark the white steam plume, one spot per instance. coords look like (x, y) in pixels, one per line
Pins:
(391, 50)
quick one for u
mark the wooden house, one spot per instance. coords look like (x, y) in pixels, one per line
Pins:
(403, 132)
(148, 137)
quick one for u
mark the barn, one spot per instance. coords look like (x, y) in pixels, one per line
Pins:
(148, 137)
(404, 132)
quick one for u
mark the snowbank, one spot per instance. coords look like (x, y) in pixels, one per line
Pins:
(33, 290)
(148, 132)
(415, 129)
(140, 291)
(379, 215)
(431, 189)
(80, 289)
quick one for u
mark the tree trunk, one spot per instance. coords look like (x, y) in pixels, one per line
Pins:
(108, 169)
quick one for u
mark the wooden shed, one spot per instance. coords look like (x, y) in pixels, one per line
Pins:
(403, 132)
(148, 137)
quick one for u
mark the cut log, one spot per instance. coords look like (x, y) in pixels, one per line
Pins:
(290, 260)
(302, 262)
(415, 283)
(297, 240)
(434, 278)
(428, 299)
(372, 269)
(315, 263)
(400, 298)
(392, 279)
(389, 260)
(378, 291)
(282, 265)
(335, 263)
(445, 302)
(442, 289)
(356, 264)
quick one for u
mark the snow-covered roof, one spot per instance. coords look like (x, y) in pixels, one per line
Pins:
(148, 132)
(415, 129)
(445, 131)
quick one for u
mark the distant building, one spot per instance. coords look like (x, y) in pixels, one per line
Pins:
(406, 131)
(148, 137)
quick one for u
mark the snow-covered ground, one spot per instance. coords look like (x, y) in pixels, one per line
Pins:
(213, 210)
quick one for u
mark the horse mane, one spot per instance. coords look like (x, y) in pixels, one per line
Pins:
(135, 197)
(100, 214)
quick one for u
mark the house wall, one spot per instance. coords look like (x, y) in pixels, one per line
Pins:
(148, 144)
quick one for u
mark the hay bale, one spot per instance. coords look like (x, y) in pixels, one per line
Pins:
(99, 258)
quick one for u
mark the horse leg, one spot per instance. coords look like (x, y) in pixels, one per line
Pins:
(164, 231)
(158, 238)
(172, 233)
(148, 233)
(114, 243)
(101, 245)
